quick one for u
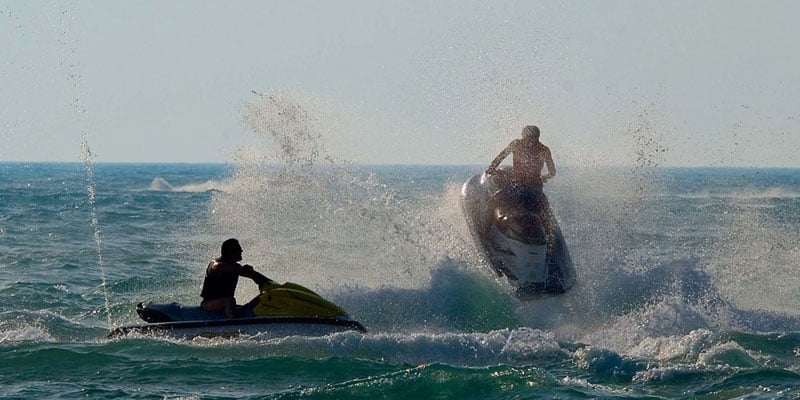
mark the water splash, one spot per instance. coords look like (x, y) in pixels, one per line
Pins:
(289, 121)
(68, 46)
(305, 213)
(86, 156)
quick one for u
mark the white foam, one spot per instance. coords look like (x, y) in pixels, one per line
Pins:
(24, 333)
(161, 185)
(516, 346)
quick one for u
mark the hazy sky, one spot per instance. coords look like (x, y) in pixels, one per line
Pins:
(711, 83)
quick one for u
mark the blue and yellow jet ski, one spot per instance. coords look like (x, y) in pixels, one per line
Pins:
(279, 310)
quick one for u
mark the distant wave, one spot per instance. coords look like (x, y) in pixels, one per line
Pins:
(760, 194)
(161, 185)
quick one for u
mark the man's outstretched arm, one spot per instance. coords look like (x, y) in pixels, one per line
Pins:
(497, 160)
(257, 277)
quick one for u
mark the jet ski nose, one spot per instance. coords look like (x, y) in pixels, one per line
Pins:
(151, 313)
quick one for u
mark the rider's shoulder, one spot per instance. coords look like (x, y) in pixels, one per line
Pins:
(544, 148)
(222, 265)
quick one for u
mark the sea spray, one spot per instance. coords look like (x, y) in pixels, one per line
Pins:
(646, 145)
(86, 156)
(607, 215)
(305, 213)
(68, 46)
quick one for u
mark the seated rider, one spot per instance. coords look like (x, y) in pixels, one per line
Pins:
(530, 156)
(222, 275)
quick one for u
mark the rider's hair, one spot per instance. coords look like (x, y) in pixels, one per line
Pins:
(530, 131)
(230, 247)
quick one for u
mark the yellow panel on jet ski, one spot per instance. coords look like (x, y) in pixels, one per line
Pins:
(295, 300)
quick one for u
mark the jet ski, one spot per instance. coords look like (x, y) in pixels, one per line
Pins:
(279, 310)
(516, 230)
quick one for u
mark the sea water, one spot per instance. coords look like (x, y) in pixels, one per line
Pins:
(687, 283)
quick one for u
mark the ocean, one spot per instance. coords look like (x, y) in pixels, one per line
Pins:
(687, 283)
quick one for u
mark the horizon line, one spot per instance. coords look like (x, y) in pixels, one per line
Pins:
(568, 166)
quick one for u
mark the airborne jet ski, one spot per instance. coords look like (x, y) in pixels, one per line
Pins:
(278, 310)
(517, 231)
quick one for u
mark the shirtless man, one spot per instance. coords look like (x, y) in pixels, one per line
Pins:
(530, 156)
(222, 275)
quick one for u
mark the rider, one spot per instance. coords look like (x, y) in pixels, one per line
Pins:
(222, 275)
(530, 156)
(526, 180)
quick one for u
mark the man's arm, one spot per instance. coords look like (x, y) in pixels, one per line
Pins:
(551, 166)
(248, 272)
(500, 157)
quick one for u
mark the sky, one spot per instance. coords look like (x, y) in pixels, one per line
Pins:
(673, 83)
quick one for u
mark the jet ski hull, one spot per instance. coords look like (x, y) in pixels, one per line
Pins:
(519, 235)
(269, 326)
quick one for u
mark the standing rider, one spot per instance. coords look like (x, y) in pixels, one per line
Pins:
(530, 156)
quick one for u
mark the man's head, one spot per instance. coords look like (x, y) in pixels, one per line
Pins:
(530, 132)
(231, 250)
